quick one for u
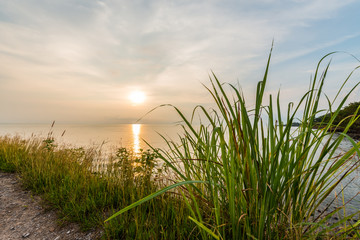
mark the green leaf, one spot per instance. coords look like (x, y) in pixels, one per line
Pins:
(202, 226)
(151, 196)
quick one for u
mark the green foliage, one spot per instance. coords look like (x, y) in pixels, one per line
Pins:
(83, 190)
(49, 143)
(248, 175)
(342, 119)
(143, 164)
(245, 175)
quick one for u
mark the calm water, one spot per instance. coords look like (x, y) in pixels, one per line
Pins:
(82, 135)
(132, 135)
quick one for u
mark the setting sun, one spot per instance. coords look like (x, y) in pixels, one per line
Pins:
(137, 97)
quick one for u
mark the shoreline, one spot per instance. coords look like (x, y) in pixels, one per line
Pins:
(353, 134)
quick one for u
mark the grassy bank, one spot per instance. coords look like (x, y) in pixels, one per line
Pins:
(66, 179)
(245, 174)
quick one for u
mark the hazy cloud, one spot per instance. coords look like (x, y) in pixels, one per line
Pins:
(62, 56)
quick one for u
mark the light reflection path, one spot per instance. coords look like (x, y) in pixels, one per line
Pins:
(136, 129)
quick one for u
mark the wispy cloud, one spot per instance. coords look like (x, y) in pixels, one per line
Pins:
(82, 52)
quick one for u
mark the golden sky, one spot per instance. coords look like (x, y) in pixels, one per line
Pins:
(82, 61)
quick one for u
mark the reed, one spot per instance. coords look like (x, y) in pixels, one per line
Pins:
(248, 175)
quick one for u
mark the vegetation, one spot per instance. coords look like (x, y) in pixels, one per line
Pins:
(247, 175)
(342, 120)
(244, 175)
(83, 190)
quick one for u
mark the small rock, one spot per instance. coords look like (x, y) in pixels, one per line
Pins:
(57, 238)
(9, 211)
(68, 232)
(25, 235)
(12, 228)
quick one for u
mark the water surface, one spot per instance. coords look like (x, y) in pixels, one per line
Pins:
(84, 135)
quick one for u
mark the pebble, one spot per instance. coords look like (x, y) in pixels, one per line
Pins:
(25, 235)
(68, 232)
(12, 228)
(57, 238)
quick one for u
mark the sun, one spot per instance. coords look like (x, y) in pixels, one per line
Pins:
(137, 97)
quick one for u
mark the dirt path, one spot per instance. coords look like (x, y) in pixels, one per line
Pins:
(23, 217)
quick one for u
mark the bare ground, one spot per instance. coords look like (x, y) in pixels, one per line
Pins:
(22, 216)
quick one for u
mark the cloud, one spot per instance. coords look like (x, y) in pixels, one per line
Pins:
(296, 53)
(92, 51)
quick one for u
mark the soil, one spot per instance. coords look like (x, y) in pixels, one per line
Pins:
(24, 216)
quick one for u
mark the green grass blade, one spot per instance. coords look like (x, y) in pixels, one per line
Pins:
(151, 196)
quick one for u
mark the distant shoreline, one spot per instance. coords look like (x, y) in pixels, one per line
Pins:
(353, 134)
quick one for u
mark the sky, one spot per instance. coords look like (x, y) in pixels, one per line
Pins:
(78, 61)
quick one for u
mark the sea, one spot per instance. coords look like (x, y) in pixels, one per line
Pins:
(106, 136)
(140, 136)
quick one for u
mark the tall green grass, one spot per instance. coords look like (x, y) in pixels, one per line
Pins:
(248, 175)
(73, 181)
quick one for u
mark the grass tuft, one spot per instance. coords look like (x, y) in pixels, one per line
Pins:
(248, 175)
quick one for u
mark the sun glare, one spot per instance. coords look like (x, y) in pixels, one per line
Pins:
(136, 135)
(137, 97)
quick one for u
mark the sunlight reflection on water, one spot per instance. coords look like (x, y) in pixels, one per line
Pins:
(107, 136)
(136, 129)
